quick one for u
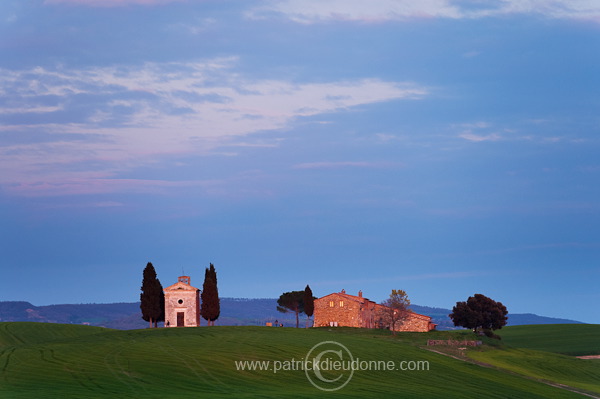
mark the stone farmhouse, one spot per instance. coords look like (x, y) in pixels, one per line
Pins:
(182, 304)
(345, 310)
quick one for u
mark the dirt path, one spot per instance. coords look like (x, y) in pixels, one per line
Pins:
(588, 357)
(553, 384)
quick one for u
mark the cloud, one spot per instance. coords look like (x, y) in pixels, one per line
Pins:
(102, 186)
(315, 11)
(310, 11)
(481, 127)
(478, 138)
(471, 54)
(98, 122)
(522, 131)
(200, 26)
(341, 164)
(110, 3)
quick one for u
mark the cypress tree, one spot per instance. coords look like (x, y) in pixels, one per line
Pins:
(161, 293)
(211, 307)
(152, 298)
(309, 303)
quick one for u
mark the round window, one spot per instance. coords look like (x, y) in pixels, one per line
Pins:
(180, 301)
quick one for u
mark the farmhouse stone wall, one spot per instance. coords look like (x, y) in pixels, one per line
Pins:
(343, 310)
(340, 310)
(415, 322)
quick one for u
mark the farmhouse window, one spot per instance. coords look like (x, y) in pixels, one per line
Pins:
(341, 304)
(331, 304)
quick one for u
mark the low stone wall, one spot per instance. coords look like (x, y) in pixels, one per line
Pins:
(449, 342)
(414, 323)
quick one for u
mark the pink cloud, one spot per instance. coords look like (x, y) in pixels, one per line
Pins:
(317, 11)
(101, 186)
(111, 3)
(344, 164)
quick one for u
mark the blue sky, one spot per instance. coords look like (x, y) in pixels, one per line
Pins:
(442, 147)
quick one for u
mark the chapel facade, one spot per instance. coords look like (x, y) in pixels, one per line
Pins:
(182, 304)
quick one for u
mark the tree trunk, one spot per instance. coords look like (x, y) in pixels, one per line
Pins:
(150, 321)
(297, 323)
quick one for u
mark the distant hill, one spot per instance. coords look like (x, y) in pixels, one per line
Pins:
(440, 316)
(126, 315)
(234, 312)
(519, 319)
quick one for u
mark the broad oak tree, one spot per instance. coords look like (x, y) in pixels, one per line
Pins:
(479, 312)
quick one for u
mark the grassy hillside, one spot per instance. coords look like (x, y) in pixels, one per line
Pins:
(567, 339)
(535, 351)
(64, 361)
(24, 333)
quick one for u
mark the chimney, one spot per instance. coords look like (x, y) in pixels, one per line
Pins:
(360, 294)
(343, 291)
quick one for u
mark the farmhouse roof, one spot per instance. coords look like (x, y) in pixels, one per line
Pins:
(343, 294)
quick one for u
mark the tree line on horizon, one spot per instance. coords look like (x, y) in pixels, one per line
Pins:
(479, 313)
(152, 297)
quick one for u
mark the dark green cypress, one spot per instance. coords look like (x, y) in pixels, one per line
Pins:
(152, 298)
(211, 307)
(309, 302)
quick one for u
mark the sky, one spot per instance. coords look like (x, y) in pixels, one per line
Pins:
(442, 147)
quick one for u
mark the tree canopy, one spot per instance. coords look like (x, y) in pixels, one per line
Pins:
(394, 309)
(291, 302)
(211, 305)
(479, 312)
(152, 298)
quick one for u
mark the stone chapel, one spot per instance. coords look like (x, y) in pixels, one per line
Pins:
(182, 304)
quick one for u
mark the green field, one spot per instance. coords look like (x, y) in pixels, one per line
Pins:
(65, 361)
(539, 352)
(566, 339)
